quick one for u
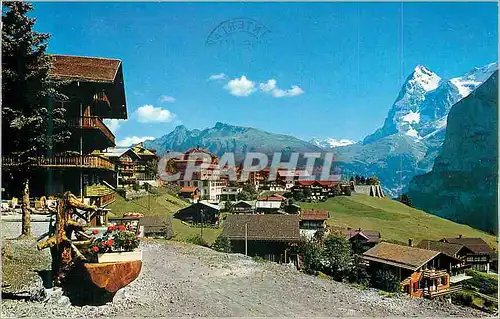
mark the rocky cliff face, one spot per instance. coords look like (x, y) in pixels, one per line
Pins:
(462, 185)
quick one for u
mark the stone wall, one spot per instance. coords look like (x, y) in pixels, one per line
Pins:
(370, 190)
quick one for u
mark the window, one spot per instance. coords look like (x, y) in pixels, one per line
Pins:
(415, 286)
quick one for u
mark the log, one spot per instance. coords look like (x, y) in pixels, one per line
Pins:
(113, 276)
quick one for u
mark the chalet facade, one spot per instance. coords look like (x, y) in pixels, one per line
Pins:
(457, 251)
(481, 256)
(133, 165)
(312, 221)
(95, 91)
(201, 212)
(270, 204)
(421, 272)
(272, 237)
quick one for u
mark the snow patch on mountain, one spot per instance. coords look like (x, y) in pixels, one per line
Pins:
(328, 143)
(412, 117)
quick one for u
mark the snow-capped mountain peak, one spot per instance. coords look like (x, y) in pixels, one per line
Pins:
(328, 143)
(427, 79)
(472, 79)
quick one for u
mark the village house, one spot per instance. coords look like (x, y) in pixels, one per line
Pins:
(312, 221)
(361, 239)
(421, 272)
(207, 178)
(316, 189)
(201, 212)
(270, 204)
(192, 193)
(230, 193)
(481, 256)
(135, 164)
(95, 91)
(271, 237)
(244, 207)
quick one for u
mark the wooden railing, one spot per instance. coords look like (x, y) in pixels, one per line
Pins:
(83, 161)
(94, 122)
(90, 161)
(432, 273)
(442, 292)
(97, 190)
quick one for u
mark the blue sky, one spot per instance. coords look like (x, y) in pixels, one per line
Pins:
(323, 70)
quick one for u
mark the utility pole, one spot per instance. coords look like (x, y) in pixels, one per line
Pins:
(246, 239)
(201, 216)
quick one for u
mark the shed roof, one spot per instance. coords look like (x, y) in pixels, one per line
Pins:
(401, 256)
(372, 236)
(188, 189)
(262, 227)
(85, 69)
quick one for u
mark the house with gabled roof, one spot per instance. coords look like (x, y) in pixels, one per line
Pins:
(421, 272)
(269, 236)
(452, 250)
(312, 221)
(201, 212)
(362, 239)
(481, 256)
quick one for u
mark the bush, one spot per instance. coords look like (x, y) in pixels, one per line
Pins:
(461, 298)
(358, 273)
(337, 257)
(222, 244)
(136, 186)
(486, 284)
(197, 240)
(258, 259)
(384, 278)
(311, 257)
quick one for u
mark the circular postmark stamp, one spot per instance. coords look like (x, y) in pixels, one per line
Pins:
(236, 32)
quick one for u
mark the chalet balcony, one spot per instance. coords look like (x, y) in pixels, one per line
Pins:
(77, 161)
(432, 273)
(94, 123)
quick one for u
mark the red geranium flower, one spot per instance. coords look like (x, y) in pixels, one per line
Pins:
(95, 232)
(95, 249)
(109, 242)
(111, 228)
(122, 228)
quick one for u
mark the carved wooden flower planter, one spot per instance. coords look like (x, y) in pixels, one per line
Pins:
(119, 256)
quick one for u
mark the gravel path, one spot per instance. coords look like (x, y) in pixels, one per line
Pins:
(180, 280)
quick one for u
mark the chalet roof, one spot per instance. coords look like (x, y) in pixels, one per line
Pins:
(262, 227)
(372, 236)
(476, 244)
(272, 198)
(245, 203)
(115, 152)
(85, 69)
(314, 215)
(188, 189)
(448, 249)
(401, 256)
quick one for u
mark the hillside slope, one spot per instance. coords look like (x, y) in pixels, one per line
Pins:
(462, 186)
(394, 220)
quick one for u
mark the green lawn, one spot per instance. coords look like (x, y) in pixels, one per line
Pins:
(163, 204)
(394, 220)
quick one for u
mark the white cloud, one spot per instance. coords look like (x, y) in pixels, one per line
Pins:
(131, 140)
(241, 86)
(151, 114)
(167, 99)
(217, 77)
(271, 88)
(113, 124)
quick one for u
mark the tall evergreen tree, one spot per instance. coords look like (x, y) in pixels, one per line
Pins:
(32, 124)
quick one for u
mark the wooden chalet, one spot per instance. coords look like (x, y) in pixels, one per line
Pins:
(268, 236)
(244, 207)
(422, 272)
(457, 251)
(311, 221)
(190, 192)
(95, 90)
(480, 256)
(201, 212)
(317, 189)
(270, 204)
(362, 239)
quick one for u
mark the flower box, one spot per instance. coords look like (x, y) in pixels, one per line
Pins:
(119, 256)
